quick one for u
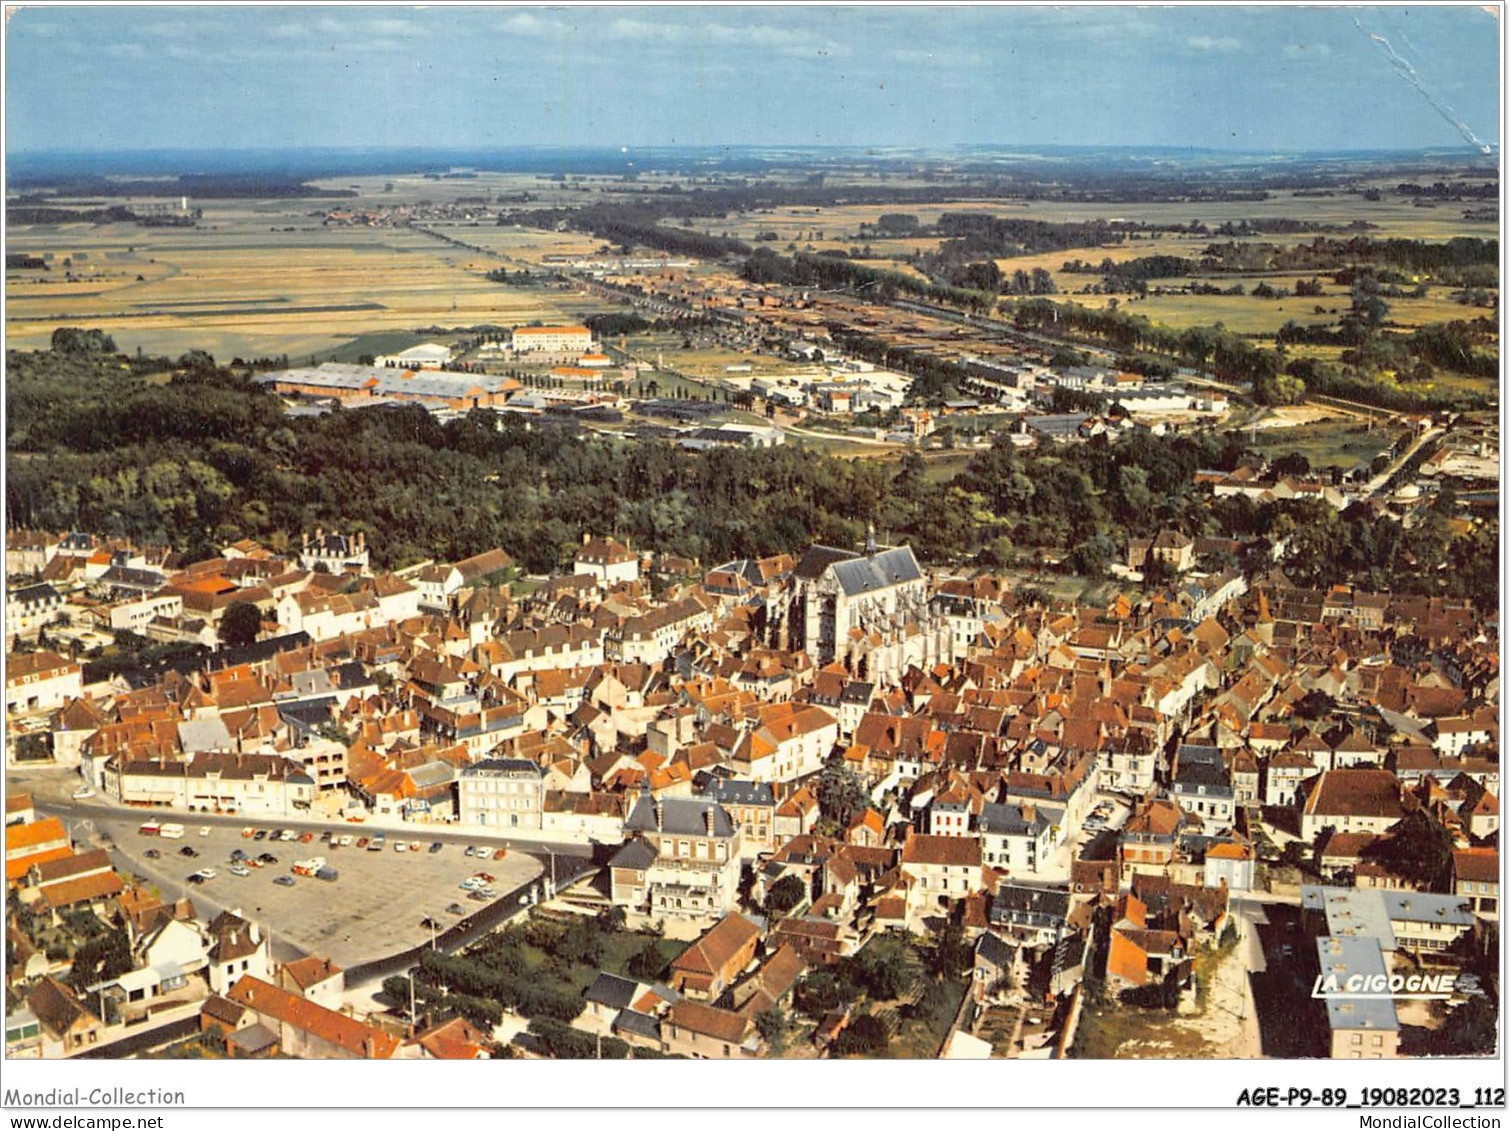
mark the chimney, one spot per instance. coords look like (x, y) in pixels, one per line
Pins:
(586, 537)
(656, 801)
(708, 819)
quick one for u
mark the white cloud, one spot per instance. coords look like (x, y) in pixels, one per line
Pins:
(126, 51)
(1307, 51)
(1210, 43)
(525, 23)
(794, 44)
(389, 26)
(623, 29)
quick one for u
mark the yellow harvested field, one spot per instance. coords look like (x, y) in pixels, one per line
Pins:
(243, 285)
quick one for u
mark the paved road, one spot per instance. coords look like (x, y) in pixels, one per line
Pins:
(844, 438)
(1377, 483)
(51, 789)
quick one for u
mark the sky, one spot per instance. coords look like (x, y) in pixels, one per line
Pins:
(295, 77)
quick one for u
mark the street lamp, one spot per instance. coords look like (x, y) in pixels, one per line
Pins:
(413, 1020)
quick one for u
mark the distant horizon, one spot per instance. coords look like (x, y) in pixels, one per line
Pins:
(689, 147)
(1238, 79)
(978, 159)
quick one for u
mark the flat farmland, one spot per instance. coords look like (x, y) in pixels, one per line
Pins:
(1392, 216)
(528, 245)
(840, 225)
(243, 284)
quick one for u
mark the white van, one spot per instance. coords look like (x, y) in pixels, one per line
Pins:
(172, 832)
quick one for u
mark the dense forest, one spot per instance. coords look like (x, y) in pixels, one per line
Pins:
(98, 442)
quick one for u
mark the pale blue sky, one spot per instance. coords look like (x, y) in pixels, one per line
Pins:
(294, 77)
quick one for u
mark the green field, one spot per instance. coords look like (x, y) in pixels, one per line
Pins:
(1327, 444)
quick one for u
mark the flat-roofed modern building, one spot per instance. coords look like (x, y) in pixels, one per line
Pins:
(1360, 1028)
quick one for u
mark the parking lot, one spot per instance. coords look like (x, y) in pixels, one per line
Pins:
(373, 910)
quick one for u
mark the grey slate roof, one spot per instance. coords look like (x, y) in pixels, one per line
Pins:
(130, 578)
(503, 766)
(858, 693)
(994, 950)
(198, 735)
(879, 571)
(816, 559)
(682, 816)
(612, 991)
(1202, 778)
(31, 594)
(1007, 820)
(636, 855)
(1019, 905)
(742, 792)
(640, 1024)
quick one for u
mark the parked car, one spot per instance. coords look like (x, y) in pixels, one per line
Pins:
(82, 793)
(237, 855)
(346, 840)
(289, 834)
(325, 837)
(400, 846)
(268, 858)
(206, 873)
(435, 846)
(477, 896)
(284, 881)
(196, 878)
(472, 883)
(485, 877)
(152, 854)
(456, 909)
(471, 850)
(361, 842)
(260, 834)
(248, 832)
(500, 854)
(187, 851)
(240, 870)
(306, 838)
(204, 830)
(416, 846)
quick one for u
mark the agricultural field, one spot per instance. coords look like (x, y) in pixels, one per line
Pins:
(258, 279)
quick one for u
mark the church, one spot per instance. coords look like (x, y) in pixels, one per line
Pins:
(869, 611)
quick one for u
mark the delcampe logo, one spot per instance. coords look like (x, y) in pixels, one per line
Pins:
(1388, 987)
